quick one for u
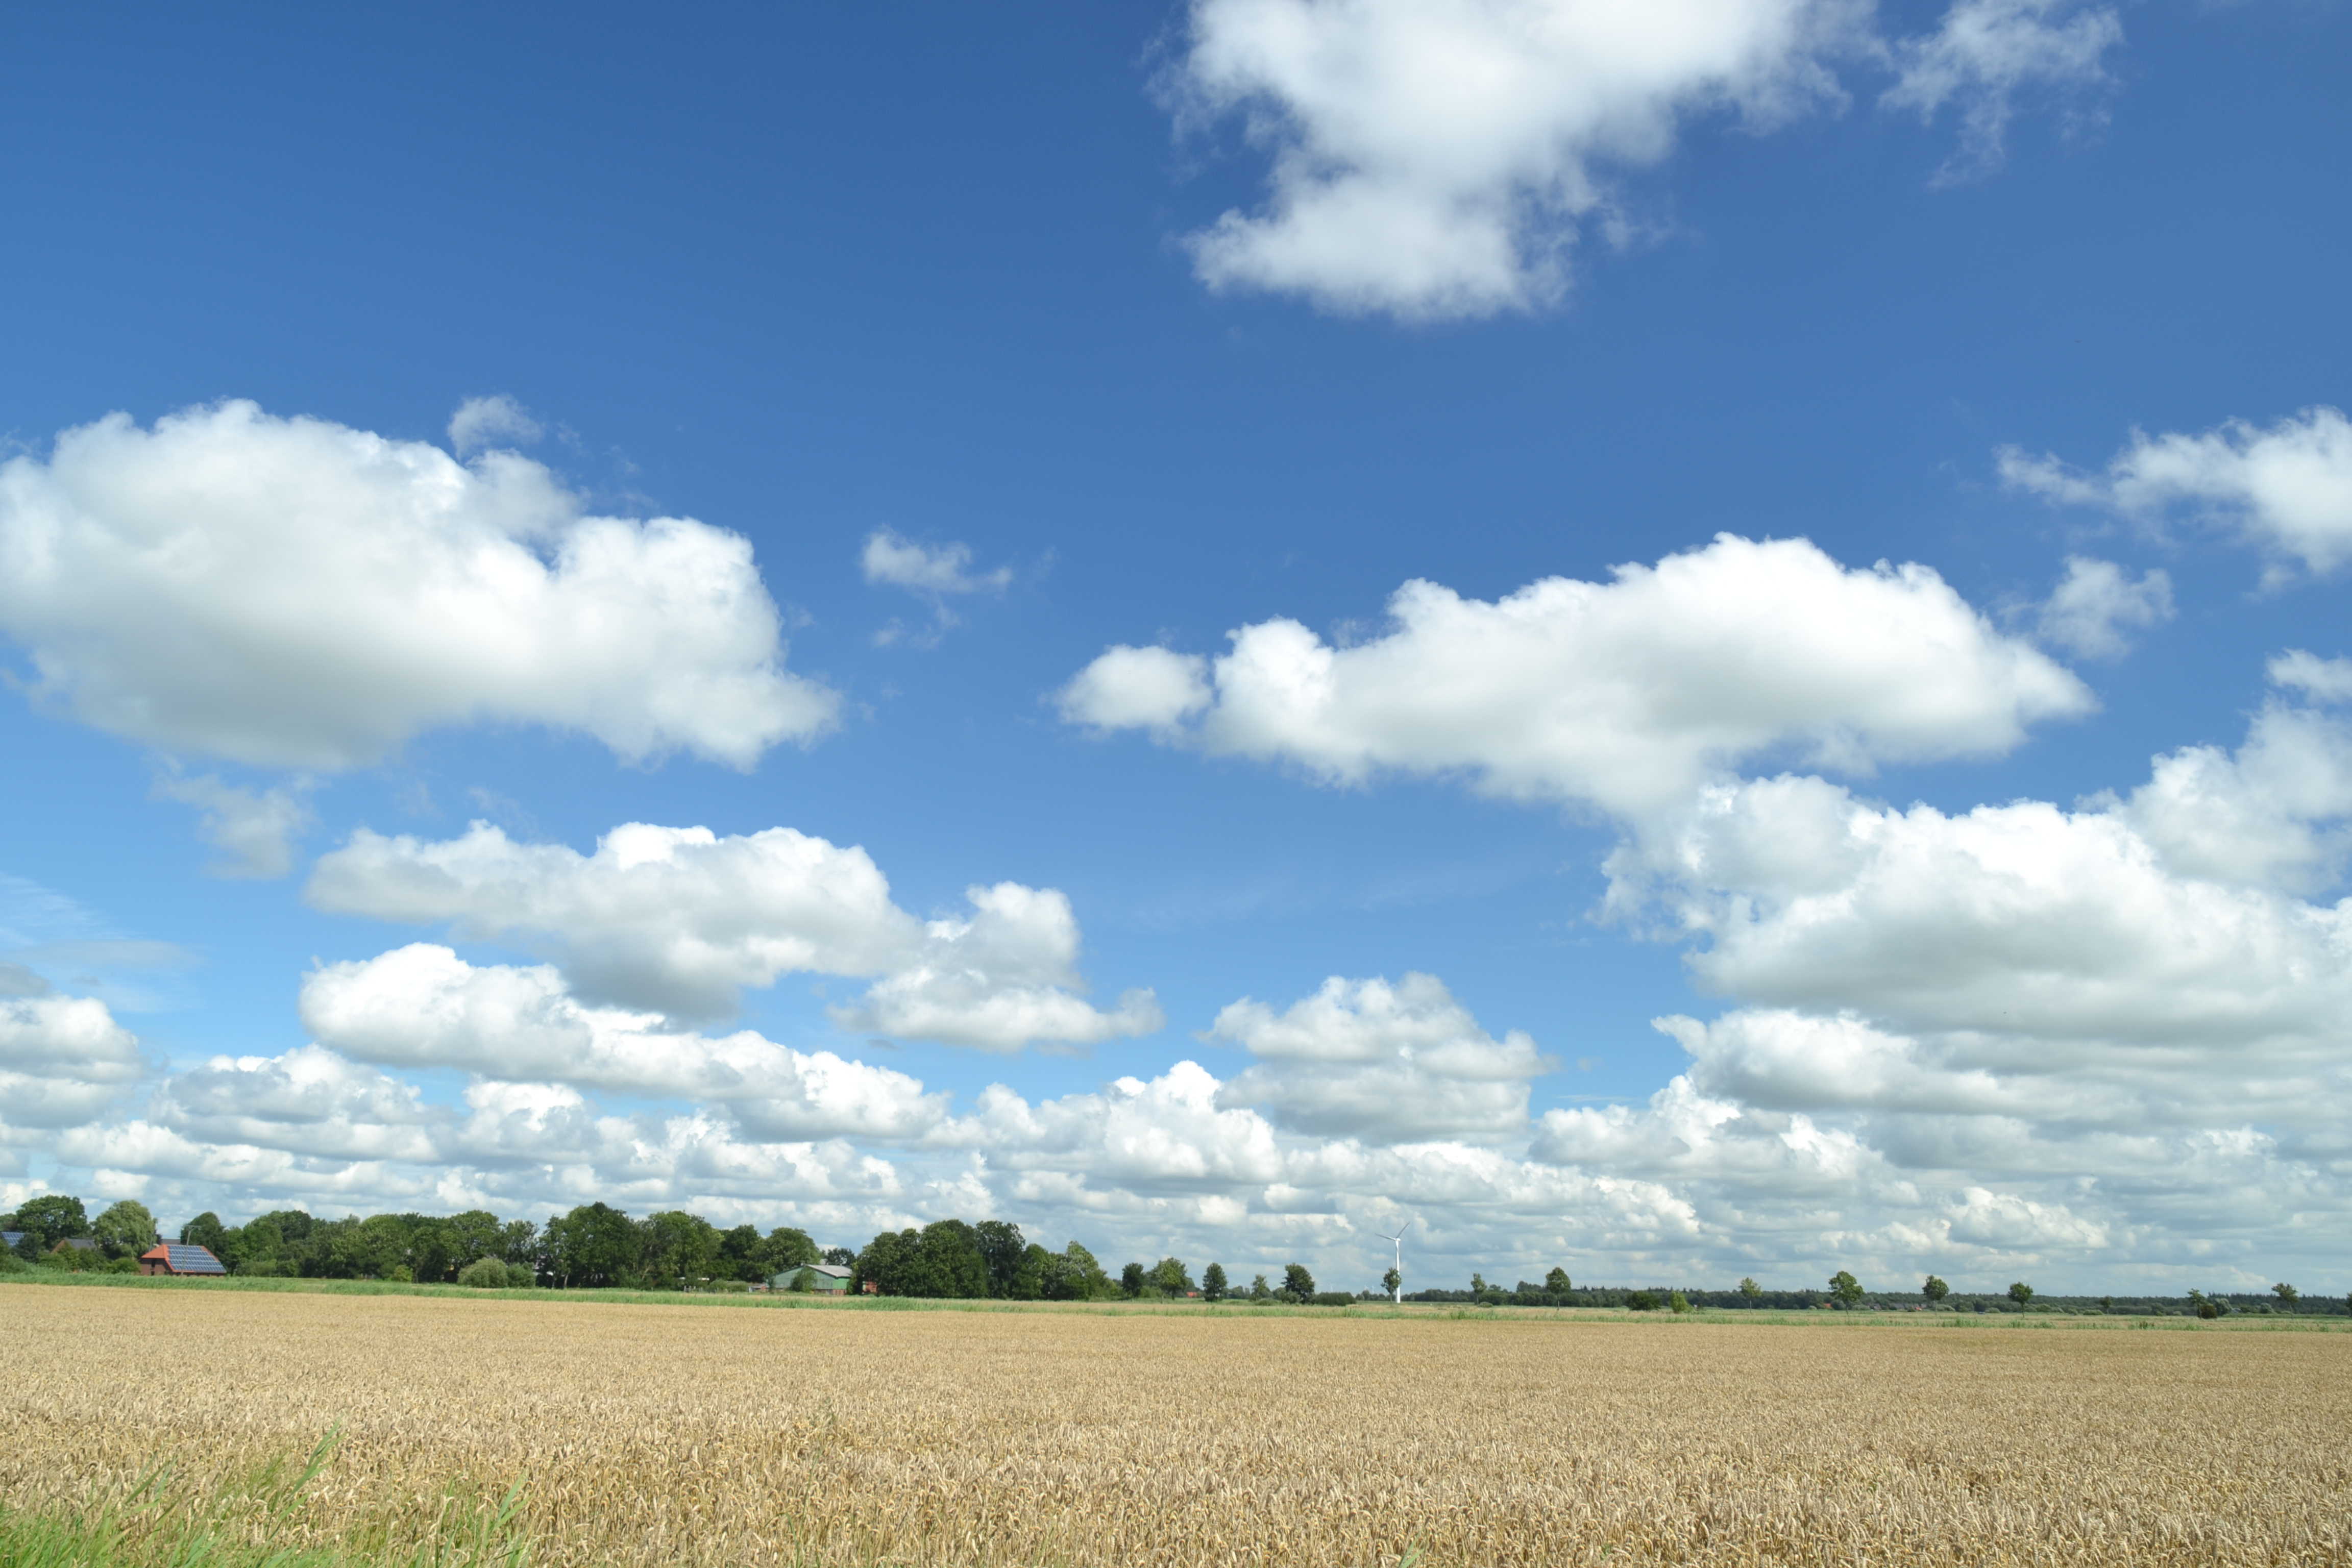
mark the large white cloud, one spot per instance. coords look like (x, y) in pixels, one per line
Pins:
(422, 1006)
(2287, 489)
(1627, 694)
(2154, 920)
(1385, 1063)
(1436, 158)
(62, 1060)
(679, 920)
(296, 593)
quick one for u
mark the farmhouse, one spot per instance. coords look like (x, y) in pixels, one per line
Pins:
(829, 1277)
(180, 1257)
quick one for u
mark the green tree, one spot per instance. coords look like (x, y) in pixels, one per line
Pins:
(1001, 1250)
(1845, 1289)
(739, 1252)
(1392, 1281)
(593, 1244)
(1030, 1274)
(1934, 1290)
(1749, 1289)
(1213, 1283)
(1296, 1283)
(472, 1236)
(679, 1249)
(2287, 1294)
(884, 1263)
(206, 1231)
(46, 1221)
(1555, 1283)
(1678, 1302)
(125, 1230)
(2021, 1292)
(1259, 1291)
(949, 1255)
(789, 1246)
(519, 1244)
(1170, 1277)
(1130, 1279)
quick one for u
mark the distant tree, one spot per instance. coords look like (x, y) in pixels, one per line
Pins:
(125, 1230)
(472, 1236)
(1934, 1290)
(1391, 1281)
(2205, 1305)
(1678, 1302)
(680, 1249)
(883, 1264)
(593, 1244)
(1084, 1275)
(1641, 1301)
(948, 1254)
(1259, 1291)
(1213, 1283)
(739, 1254)
(1477, 1284)
(433, 1249)
(789, 1246)
(1296, 1283)
(1845, 1289)
(1555, 1283)
(1001, 1249)
(2021, 1292)
(1749, 1289)
(2287, 1294)
(1030, 1274)
(1170, 1274)
(519, 1245)
(1130, 1279)
(46, 1221)
(206, 1231)
(839, 1256)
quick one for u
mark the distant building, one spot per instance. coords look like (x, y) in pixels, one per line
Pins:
(9, 1238)
(180, 1257)
(831, 1278)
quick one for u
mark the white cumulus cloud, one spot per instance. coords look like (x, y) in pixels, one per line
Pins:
(1627, 695)
(679, 920)
(422, 1006)
(2097, 602)
(296, 593)
(482, 422)
(1443, 158)
(2287, 488)
(1386, 1063)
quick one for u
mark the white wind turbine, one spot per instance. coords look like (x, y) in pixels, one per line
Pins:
(1399, 1240)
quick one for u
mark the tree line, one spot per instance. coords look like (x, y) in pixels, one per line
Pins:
(596, 1246)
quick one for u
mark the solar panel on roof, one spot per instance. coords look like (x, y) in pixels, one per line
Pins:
(193, 1260)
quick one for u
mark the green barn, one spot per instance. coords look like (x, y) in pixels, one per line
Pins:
(830, 1277)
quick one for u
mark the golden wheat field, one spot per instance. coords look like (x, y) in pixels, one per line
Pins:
(673, 1434)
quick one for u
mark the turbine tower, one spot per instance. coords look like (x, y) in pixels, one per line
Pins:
(1399, 1240)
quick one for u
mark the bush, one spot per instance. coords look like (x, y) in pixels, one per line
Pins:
(1678, 1302)
(1332, 1298)
(1641, 1300)
(494, 1274)
(267, 1268)
(120, 1266)
(12, 1264)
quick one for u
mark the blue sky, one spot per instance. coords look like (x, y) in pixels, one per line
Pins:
(1629, 280)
